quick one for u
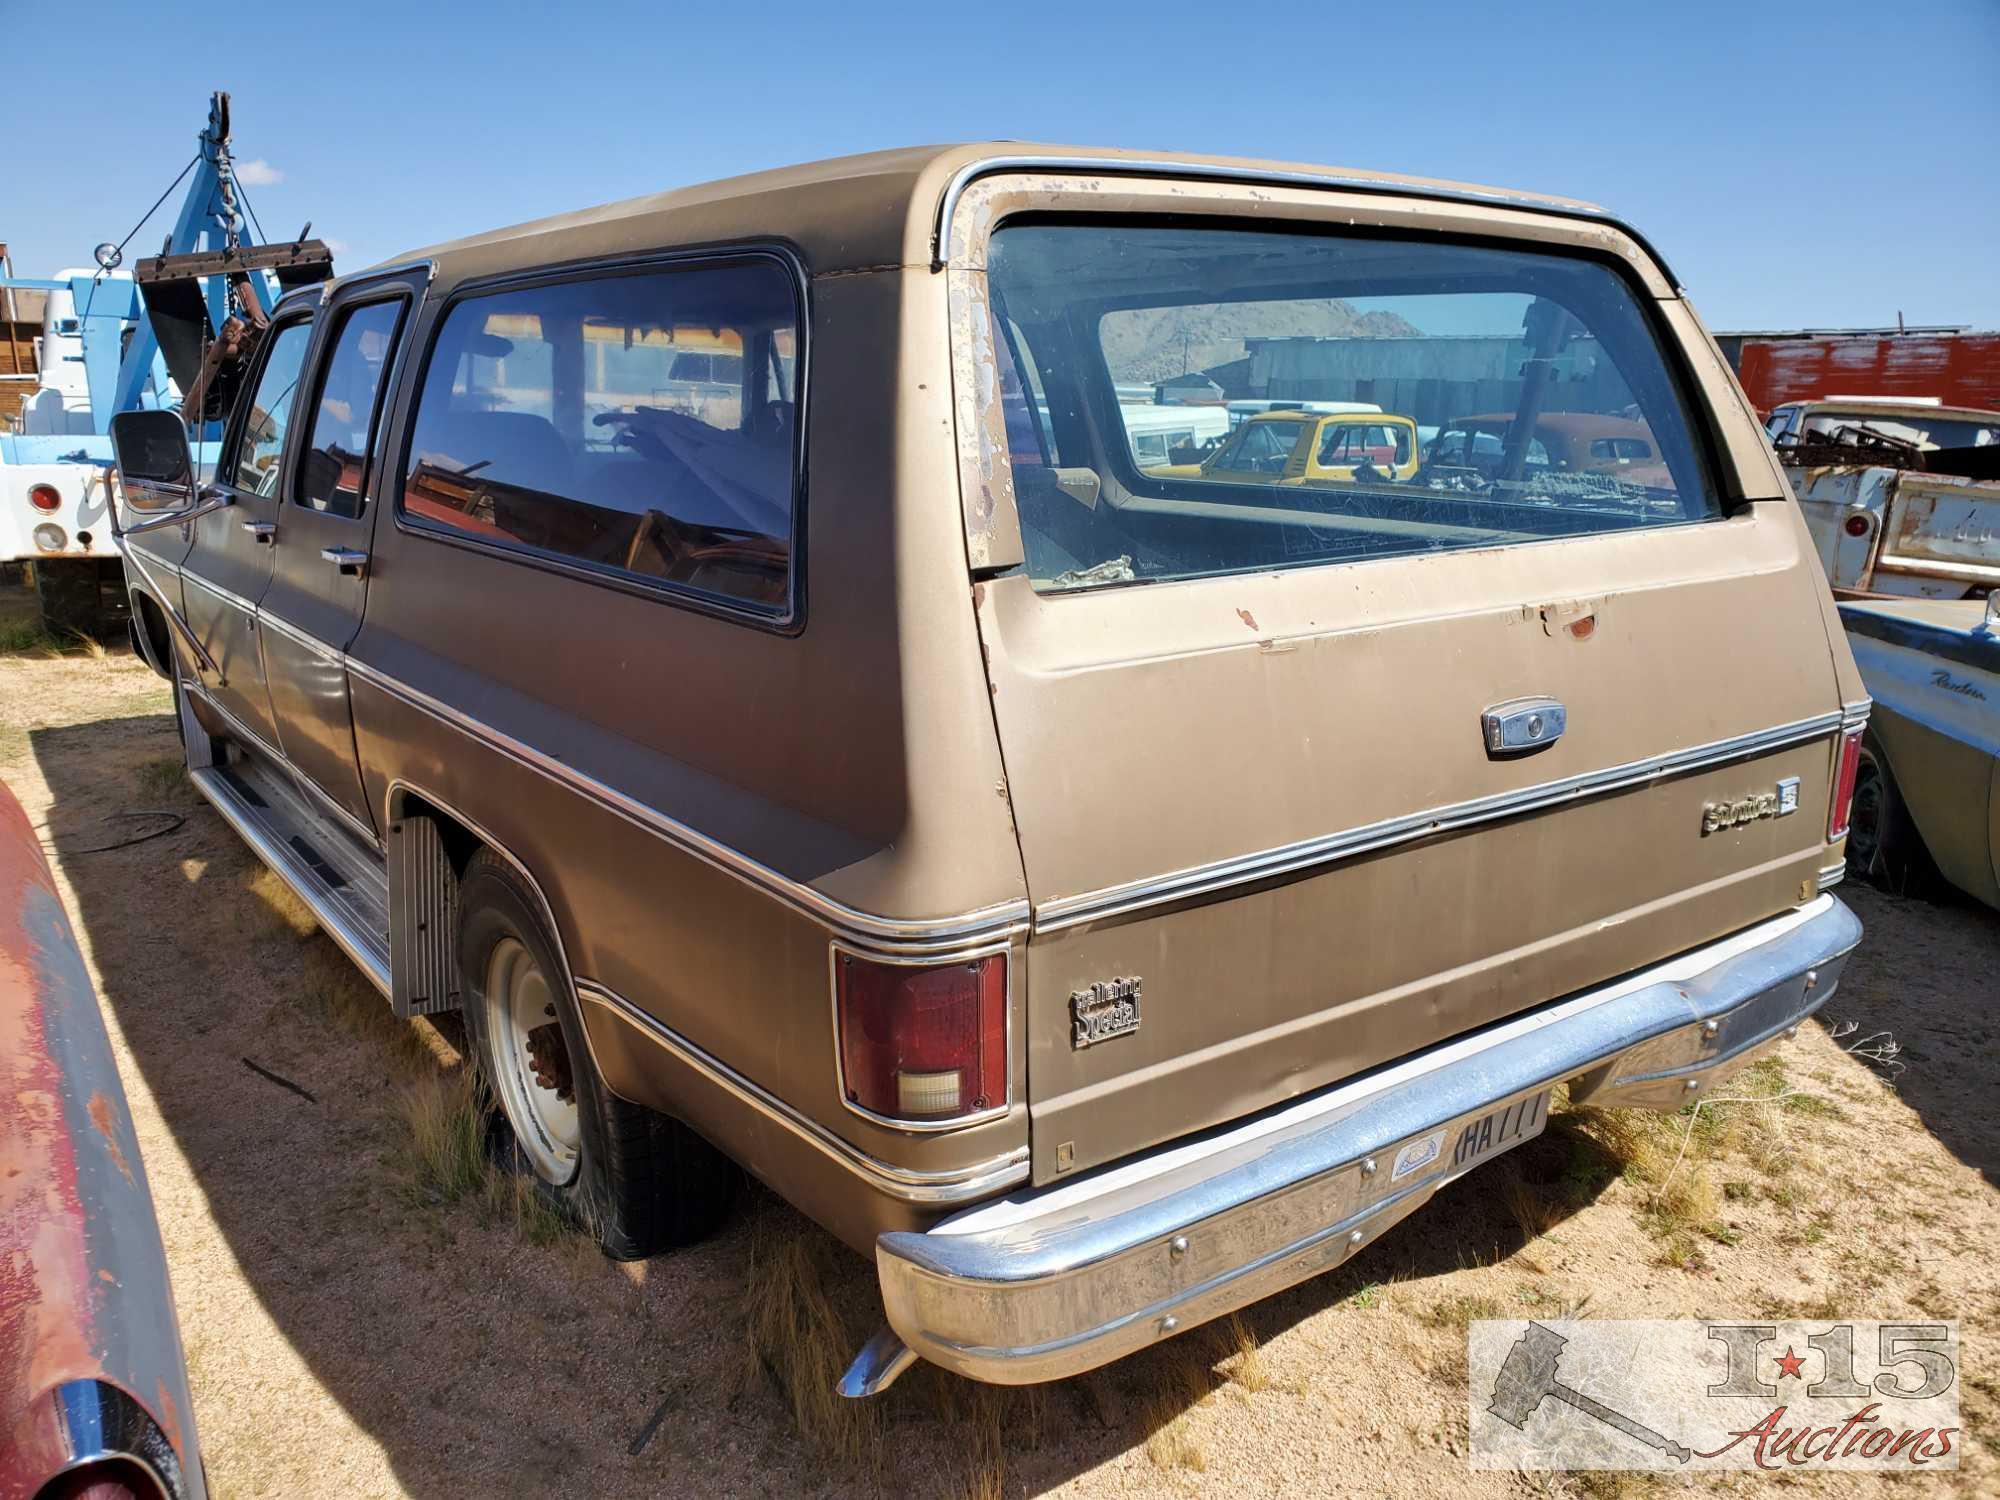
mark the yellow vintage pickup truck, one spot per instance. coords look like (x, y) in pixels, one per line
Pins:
(1304, 447)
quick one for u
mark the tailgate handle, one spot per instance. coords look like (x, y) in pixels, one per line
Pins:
(1523, 724)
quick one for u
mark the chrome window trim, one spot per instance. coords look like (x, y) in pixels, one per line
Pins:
(1111, 166)
(1291, 859)
(898, 935)
(836, 949)
(929, 1189)
(721, 606)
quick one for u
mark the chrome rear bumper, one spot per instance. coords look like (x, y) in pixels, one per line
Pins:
(1052, 1281)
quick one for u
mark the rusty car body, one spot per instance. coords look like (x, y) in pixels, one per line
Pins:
(93, 1386)
(1928, 788)
(1902, 497)
(1583, 442)
(1101, 896)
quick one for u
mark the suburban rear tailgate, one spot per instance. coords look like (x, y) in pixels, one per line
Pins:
(1255, 794)
(1269, 800)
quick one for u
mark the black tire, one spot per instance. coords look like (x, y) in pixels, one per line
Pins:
(643, 1182)
(1883, 845)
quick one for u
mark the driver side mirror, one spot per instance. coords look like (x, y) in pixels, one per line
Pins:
(155, 466)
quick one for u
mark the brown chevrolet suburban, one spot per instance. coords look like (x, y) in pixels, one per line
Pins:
(727, 646)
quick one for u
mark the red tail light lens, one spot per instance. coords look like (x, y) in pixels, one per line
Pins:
(1843, 784)
(922, 1044)
(45, 497)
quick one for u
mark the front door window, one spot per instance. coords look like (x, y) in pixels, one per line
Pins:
(261, 444)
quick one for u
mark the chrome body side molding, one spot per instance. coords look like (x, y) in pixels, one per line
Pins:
(898, 935)
(1112, 166)
(926, 1189)
(300, 637)
(1290, 859)
(1053, 1281)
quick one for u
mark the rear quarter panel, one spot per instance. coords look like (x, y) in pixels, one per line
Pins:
(854, 755)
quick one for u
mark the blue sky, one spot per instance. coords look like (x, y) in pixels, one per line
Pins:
(1798, 164)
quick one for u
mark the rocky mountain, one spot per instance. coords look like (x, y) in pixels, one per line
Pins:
(1153, 343)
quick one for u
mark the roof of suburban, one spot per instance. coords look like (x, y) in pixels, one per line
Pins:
(870, 210)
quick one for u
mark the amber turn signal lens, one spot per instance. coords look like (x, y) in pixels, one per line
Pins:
(923, 1043)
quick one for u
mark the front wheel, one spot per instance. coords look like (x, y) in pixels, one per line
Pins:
(640, 1181)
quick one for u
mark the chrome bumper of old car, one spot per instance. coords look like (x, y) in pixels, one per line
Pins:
(1048, 1282)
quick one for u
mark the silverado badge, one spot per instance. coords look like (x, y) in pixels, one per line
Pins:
(1108, 1008)
(1776, 803)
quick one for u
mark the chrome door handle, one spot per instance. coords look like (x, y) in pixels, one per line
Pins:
(263, 532)
(351, 561)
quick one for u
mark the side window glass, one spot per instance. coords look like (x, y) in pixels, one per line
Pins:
(335, 463)
(643, 423)
(262, 442)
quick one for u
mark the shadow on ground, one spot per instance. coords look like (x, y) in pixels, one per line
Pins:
(476, 1359)
(1908, 982)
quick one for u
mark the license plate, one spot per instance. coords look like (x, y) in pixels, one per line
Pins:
(1465, 1146)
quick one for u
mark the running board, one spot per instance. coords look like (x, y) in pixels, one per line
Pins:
(344, 884)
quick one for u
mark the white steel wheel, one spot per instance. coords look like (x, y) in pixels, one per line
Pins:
(531, 1063)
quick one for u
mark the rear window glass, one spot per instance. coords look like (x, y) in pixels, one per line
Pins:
(641, 423)
(1331, 398)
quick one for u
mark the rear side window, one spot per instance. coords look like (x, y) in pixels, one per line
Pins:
(641, 423)
(333, 469)
(1541, 402)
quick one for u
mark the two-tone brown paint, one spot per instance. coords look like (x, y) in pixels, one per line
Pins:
(916, 762)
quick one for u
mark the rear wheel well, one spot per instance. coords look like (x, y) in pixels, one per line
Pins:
(460, 842)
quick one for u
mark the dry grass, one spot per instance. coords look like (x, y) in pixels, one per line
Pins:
(444, 1147)
(28, 637)
(1243, 1356)
(795, 1339)
(988, 1421)
(446, 1162)
(1167, 1416)
(163, 778)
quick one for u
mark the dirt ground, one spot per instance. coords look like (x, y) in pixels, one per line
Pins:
(361, 1322)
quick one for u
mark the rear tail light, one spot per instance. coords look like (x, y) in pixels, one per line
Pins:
(921, 1044)
(1843, 783)
(45, 497)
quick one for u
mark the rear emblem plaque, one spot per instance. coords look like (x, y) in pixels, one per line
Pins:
(1107, 1009)
(1781, 800)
